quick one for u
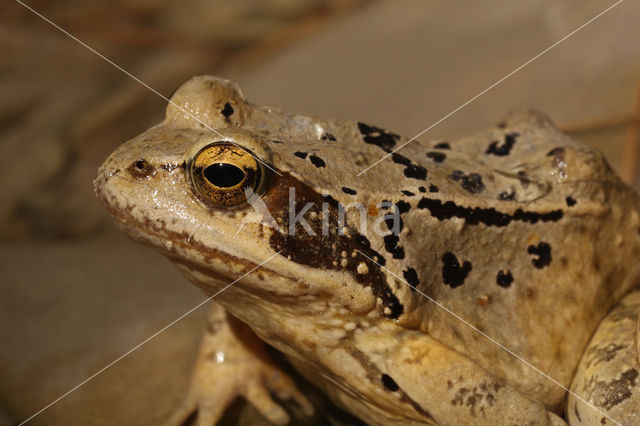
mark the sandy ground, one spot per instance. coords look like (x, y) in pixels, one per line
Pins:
(71, 306)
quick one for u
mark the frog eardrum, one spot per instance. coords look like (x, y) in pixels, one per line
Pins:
(223, 173)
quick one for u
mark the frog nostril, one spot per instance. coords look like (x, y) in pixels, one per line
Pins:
(140, 168)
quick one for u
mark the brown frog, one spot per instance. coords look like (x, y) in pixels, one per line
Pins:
(457, 282)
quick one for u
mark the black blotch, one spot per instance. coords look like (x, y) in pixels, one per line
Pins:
(555, 151)
(366, 245)
(349, 191)
(332, 200)
(609, 394)
(412, 170)
(505, 148)
(486, 216)
(422, 189)
(306, 249)
(453, 273)
(442, 145)
(403, 206)
(433, 188)
(299, 154)
(542, 253)
(504, 278)
(571, 201)
(389, 221)
(471, 183)
(328, 137)
(389, 383)
(278, 142)
(379, 137)
(437, 157)
(391, 245)
(507, 196)
(407, 193)
(411, 276)
(317, 161)
(227, 111)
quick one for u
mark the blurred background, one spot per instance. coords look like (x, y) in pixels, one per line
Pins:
(75, 293)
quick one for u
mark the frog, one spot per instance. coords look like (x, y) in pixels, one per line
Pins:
(488, 279)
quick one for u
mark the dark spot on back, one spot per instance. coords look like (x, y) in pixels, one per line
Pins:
(442, 145)
(379, 137)
(471, 183)
(453, 273)
(433, 188)
(504, 278)
(422, 189)
(571, 201)
(227, 111)
(389, 383)
(317, 161)
(501, 125)
(299, 154)
(391, 245)
(412, 170)
(541, 253)
(437, 157)
(407, 193)
(502, 150)
(403, 206)
(411, 276)
(349, 191)
(486, 216)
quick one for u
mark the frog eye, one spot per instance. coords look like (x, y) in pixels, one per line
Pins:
(223, 174)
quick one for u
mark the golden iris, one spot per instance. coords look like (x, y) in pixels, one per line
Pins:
(224, 174)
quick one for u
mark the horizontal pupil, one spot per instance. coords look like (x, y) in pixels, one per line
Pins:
(224, 175)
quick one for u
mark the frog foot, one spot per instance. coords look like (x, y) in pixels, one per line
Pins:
(233, 362)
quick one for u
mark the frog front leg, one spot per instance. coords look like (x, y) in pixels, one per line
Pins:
(233, 362)
(607, 380)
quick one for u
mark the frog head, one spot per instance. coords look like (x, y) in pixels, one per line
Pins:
(227, 190)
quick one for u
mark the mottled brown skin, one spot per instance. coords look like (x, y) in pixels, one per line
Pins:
(525, 234)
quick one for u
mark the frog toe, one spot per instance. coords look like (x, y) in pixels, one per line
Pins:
(259, 397)
(209, 409)
(285, 389)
